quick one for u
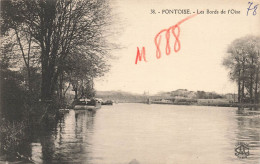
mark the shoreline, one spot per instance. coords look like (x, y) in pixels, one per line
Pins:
(256, 106)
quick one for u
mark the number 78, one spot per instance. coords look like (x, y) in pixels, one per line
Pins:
(254, 8)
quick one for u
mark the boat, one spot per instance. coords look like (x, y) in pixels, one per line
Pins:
(108, 102)
(64, 110)
(87, 104)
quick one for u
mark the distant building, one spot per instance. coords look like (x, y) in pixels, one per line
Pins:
(213, 101)
(192, 94)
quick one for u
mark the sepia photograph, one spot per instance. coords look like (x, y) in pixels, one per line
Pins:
(130, 82)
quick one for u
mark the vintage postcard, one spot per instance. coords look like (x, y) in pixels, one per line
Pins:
(130, 82)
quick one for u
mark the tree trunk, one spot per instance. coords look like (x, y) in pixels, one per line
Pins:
(76, 93)
(239, 87)
(29, 81)
(47, 89)
(256, 85)
(251, 81)
(61, 86)
(243, 81)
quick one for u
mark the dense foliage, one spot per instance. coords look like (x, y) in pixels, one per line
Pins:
(57, 44)
(243, 62)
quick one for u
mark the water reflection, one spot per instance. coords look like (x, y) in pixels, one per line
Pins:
(67, 142)
(248, 132)
(71, 137)
(147, 133)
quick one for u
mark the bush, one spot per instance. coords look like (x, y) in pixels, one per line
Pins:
(12, 136)
(12, 95)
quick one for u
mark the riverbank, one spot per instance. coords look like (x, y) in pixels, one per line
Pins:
(239, 105)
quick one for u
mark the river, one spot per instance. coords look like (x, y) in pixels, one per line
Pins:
(151, 134)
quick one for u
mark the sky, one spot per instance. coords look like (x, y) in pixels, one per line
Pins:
(204, 40)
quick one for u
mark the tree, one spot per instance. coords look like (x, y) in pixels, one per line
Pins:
(59, 28)
(243, 63)
(12, 94)
(81, 69)
(201, 95)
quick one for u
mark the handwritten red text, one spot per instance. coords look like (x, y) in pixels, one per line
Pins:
(175, 31)
(140, 55)
(171, 30)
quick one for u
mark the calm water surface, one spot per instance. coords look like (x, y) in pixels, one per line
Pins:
(151, 134)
